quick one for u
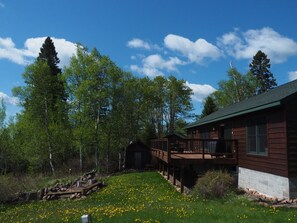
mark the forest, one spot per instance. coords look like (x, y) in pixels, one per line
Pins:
(83, 116)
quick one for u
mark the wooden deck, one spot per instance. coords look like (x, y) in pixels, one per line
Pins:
(177, 156)
(191, 151)
(194, 157)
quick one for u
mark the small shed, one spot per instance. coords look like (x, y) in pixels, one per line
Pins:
(137, 156)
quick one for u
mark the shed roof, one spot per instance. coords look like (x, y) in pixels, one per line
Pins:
(180, 135)
(272, 98)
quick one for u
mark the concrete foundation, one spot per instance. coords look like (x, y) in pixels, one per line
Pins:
(265, 183)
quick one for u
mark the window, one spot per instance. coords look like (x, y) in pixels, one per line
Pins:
(257, 137)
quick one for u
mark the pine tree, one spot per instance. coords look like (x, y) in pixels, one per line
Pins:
(49, 54)
(209, 107)
(260, 69)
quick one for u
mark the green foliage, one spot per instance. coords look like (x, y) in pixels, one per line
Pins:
(214, 184)
(237, 88)
(259, 67)
(87, 90)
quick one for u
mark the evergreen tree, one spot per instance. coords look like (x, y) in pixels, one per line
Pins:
(49, 54)
(209, 107)
(260, 69)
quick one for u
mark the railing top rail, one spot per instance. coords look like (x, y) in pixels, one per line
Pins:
(195, 139)
(159, 139)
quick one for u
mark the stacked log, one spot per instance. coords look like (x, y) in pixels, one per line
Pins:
(81, 187)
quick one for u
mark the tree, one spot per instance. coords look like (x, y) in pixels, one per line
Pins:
(87, 78)
(237, 88)
(209, 107)
(178, 102)
(259, 67)
(48, 53)
(158, 95)
(45, 115)
(35, 100)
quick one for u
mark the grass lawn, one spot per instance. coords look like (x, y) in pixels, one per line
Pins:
(145, 197)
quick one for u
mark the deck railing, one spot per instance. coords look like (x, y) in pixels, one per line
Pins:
(163, 148)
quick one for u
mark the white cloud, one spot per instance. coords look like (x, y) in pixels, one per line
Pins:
(292, 75)
(244, 45)
(9, 100)
(154, 64)
(200, 91)
(148, 71)
(137, 56)
(24, 56)
(138, 43)
(196, 51)
(8, 51)
(158, 62)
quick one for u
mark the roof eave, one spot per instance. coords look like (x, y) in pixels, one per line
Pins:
(262, 107)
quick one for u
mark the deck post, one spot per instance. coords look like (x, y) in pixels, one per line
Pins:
(173, 175)
(182, 180)
(168, 168)
(168, 152)
(203, 145)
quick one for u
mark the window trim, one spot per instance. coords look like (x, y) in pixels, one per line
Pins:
(255, 123)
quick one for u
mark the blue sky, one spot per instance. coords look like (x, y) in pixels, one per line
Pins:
(192, 40)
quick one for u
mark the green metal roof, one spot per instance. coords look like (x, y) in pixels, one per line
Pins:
(272, 98)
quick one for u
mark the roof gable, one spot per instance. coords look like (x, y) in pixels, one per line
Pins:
(272, 98)
(179, 135)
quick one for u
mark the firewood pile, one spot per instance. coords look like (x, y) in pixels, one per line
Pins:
(81, 187)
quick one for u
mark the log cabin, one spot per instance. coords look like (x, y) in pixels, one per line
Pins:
(257, 136)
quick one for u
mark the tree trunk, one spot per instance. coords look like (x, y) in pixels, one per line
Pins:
(80, 158)
(97, 141)
(107, 153)
(48, 137)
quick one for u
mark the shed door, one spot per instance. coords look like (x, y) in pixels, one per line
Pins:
(137, 159)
